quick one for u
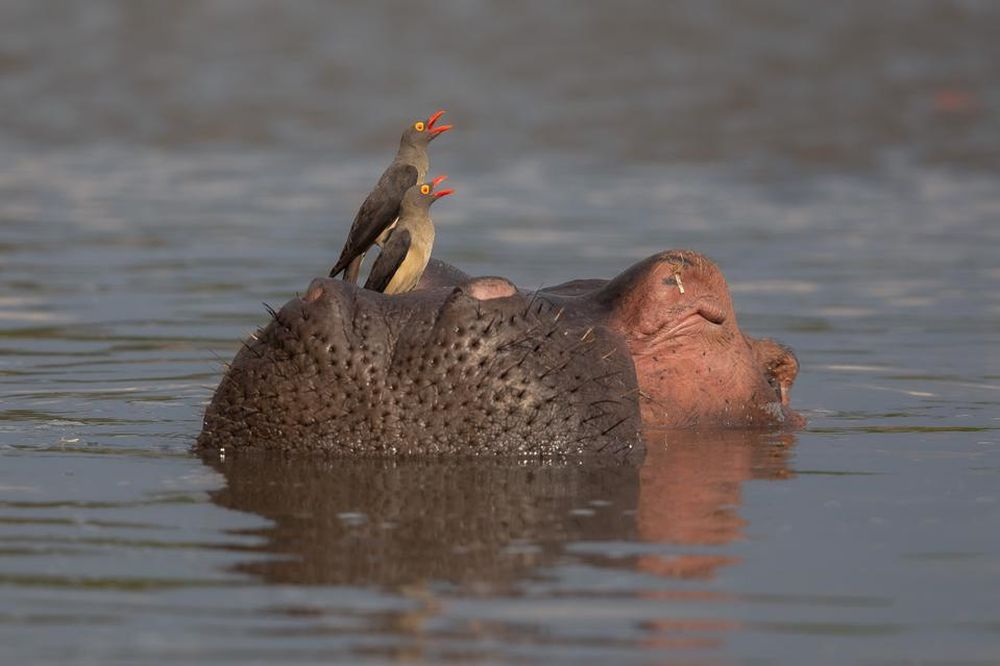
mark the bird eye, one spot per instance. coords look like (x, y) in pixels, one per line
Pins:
(419, 126)
(425, 189)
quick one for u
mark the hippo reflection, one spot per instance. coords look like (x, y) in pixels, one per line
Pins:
(393, 522)
(473, 365)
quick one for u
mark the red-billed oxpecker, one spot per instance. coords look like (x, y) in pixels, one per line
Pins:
(407, 248)
(380, 210)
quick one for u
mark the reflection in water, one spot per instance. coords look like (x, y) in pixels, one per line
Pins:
(429, 529)
(397, 522)
(494, 521)
(690, 493)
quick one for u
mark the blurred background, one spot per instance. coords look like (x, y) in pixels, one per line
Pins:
(840, 85)
(167, 166)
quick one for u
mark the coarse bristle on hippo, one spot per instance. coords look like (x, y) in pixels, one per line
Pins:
(473, 366)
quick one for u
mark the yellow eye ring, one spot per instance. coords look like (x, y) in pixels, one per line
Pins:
(419, 126)
(425, 189)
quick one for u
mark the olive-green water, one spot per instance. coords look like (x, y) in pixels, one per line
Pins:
(165, 168)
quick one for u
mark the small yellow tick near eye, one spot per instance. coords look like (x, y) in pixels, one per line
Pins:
(425, 189)
(419, 126)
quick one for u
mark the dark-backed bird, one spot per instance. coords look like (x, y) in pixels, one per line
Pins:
(407, 248)
(381, 208)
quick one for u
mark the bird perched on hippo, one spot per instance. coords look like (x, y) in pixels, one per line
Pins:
(473, 366)
(408, 244)
(380, 208)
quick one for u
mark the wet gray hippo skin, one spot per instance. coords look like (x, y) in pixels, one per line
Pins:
(474, 366)
(439, 370)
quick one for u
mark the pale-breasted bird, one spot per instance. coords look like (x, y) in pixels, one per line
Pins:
(407, 248)
(381, 208)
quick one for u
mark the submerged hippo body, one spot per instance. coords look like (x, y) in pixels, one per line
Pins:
(474, 366)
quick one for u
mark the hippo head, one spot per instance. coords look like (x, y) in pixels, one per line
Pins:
(694, 366)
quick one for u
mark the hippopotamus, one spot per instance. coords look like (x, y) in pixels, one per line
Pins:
(475, 366)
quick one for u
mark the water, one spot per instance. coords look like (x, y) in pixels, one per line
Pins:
(169, 167)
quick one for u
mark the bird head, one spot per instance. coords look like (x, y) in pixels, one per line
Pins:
(422, 195)
(422, 132)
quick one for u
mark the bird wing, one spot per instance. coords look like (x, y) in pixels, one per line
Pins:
(389, 260)
(376, 214)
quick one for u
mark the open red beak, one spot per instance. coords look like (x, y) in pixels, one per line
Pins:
(437, 181)
(434, 131)
(443, 193)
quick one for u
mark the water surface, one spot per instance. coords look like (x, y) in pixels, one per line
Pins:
(168, 168)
